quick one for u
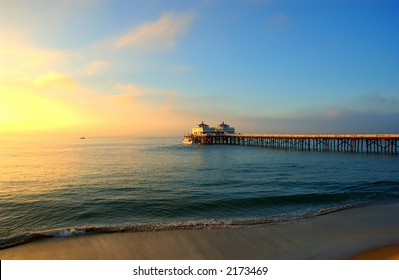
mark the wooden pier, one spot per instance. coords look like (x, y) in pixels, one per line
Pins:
(355, 143)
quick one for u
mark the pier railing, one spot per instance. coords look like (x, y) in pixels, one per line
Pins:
(369, 143)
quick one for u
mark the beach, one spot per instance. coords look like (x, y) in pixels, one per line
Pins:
(370, 232)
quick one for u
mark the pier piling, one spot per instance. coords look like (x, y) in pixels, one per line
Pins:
(354, 143)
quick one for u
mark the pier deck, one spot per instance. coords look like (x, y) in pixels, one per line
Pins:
(368, 143)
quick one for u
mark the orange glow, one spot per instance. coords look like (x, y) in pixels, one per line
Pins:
(56, 104)
(36, 99)
(23, 110)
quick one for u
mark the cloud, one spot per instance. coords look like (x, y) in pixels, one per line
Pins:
(161, 34)
(337, 120)
(377, 101)
(147, 95)
(55, 84)
(54, 79)
(131, 89)
(20, 60)
(348, 122)
(24, 109)
(55, 103)
(95, 67)
(333, 113)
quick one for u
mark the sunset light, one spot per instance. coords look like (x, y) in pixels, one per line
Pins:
(69, 66)
(198, 139)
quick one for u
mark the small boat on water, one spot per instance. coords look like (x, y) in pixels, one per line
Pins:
(82, 138)
(188, 139)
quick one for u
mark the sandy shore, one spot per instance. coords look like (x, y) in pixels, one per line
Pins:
(353, 233)
(384, 253)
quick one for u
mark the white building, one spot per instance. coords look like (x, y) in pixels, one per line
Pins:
(205, 129)
(202, 129)
(224, 128)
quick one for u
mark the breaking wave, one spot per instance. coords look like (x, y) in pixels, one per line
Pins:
(211, 224)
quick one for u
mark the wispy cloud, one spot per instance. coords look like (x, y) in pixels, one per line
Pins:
(343, 121)
(161, 34)
(54, 79)
(95, 67)
(377, 101)
(333, 113)
(130, 89)
(21, 60)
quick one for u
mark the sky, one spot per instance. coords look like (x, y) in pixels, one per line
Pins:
(153, 67)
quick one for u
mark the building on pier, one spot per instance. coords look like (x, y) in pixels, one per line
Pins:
(224, 128)
(202, 128)
(223, 134)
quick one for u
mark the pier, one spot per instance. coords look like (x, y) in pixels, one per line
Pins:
(355, 143)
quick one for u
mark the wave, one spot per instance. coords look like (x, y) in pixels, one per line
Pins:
(297, 200)
(193, 225)
(383, 184)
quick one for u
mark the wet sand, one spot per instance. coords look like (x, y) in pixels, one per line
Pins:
(345, 234)
(384, 253)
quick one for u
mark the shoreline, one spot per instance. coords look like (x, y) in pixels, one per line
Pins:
(354, 233)
(207, 225)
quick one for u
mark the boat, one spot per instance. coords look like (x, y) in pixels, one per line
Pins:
(82, 138)
(188, 139)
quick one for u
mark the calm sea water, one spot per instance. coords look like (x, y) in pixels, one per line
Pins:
(62, 187)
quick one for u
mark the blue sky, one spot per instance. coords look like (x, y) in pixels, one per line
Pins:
(262, 66)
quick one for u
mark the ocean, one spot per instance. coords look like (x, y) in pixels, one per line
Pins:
(60, 187)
